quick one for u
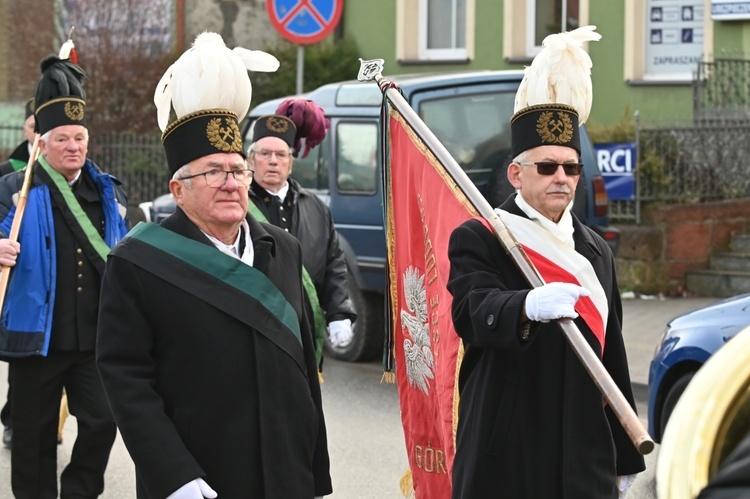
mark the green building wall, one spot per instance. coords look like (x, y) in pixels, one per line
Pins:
(373, 26)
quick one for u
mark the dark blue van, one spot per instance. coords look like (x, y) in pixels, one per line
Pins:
(469, 112)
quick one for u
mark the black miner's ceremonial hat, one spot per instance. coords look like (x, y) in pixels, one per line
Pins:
(274, 125)
(60, 98)
(542, 125)
(199, 134)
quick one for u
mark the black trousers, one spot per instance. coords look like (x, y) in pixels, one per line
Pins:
(5, 412)
(35, 410)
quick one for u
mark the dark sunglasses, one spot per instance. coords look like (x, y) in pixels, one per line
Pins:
(550, 167)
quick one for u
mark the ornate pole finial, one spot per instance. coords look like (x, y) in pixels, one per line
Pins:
(370, 70)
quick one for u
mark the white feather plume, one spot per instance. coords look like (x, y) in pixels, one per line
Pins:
(560, 73)
(209, 76)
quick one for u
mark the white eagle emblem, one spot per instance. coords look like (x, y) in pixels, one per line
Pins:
(417, 352)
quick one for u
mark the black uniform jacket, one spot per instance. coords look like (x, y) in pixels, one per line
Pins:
(532, 424)
(308, 219)
(197, 392)
(20, 155)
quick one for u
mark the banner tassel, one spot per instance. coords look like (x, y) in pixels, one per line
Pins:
(406, 484)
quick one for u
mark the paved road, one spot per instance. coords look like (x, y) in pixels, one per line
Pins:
(365, 436)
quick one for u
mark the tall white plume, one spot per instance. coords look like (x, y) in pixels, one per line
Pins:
(209, 75)
(560, 73)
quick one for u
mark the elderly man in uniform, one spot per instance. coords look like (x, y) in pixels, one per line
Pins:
(74, 214)
(532, 423)
(205, 350)
(279, 199)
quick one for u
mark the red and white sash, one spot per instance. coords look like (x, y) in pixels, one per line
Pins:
(558, 262)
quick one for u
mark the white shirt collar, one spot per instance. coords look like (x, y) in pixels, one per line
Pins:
(281, 194)
(74, 180)
(563, 229)
(248, 255)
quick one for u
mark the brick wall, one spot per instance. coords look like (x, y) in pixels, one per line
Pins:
(672, 240)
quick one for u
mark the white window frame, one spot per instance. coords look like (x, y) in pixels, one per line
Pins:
(428, 54)
(519, 19)
(531, 48)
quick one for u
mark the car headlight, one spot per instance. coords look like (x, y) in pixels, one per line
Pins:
(660, 343)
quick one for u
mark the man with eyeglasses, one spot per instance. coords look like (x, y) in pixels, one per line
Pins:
(531, 422)
(281, 200)
(205, 347)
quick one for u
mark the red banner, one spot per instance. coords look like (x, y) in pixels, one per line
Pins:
(423, 206)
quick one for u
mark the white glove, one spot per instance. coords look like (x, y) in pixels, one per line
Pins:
(553, 301)
(623, 484)
(197, 489)
(340, 332)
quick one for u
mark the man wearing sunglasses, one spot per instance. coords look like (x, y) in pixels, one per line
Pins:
(532, 423)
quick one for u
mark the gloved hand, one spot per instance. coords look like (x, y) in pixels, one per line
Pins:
(623, 484)
(196, 489)
(340, 332)
(553, 301)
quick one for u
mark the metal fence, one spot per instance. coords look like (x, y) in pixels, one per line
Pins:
(692, 161)
(703, 158)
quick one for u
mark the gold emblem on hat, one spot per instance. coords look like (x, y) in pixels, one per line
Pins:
(278, 125)
(226, 138)
(74, 112)
(555, 131)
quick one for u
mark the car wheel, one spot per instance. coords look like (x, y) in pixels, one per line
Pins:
(367, 343)
(670, 401)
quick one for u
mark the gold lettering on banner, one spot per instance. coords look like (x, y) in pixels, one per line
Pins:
(429, 255)
(430, 460)
(431, 274)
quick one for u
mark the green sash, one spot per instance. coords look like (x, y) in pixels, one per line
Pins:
(83, 220)
(17, 164)
(231, 271)
(307, 283)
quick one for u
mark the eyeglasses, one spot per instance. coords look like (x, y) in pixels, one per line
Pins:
(216, 178)
(266, 154)
(550, 167)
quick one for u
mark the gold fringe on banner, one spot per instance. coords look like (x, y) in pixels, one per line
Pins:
(406, 484)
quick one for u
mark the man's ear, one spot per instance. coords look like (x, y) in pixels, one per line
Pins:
(176, 187)
(514, 175)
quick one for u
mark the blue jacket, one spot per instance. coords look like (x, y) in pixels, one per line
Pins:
(29, 300)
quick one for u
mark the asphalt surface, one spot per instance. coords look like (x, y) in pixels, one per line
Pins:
(365, 436)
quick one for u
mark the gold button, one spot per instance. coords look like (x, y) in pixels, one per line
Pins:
(80, 263)
(79, 290)
(79, 251)
(80, 276)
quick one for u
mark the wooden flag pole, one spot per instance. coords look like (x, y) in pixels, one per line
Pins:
(371, 70)
(18, 217)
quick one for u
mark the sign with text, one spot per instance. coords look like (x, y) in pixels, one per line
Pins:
(617, 164)
(674, 38)
(730, 10)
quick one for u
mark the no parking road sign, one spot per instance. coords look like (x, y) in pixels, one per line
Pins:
(305, 21)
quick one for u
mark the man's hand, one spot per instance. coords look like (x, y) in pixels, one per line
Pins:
(196, 489)
(553, 301)
(9, 251)
(340, 332)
